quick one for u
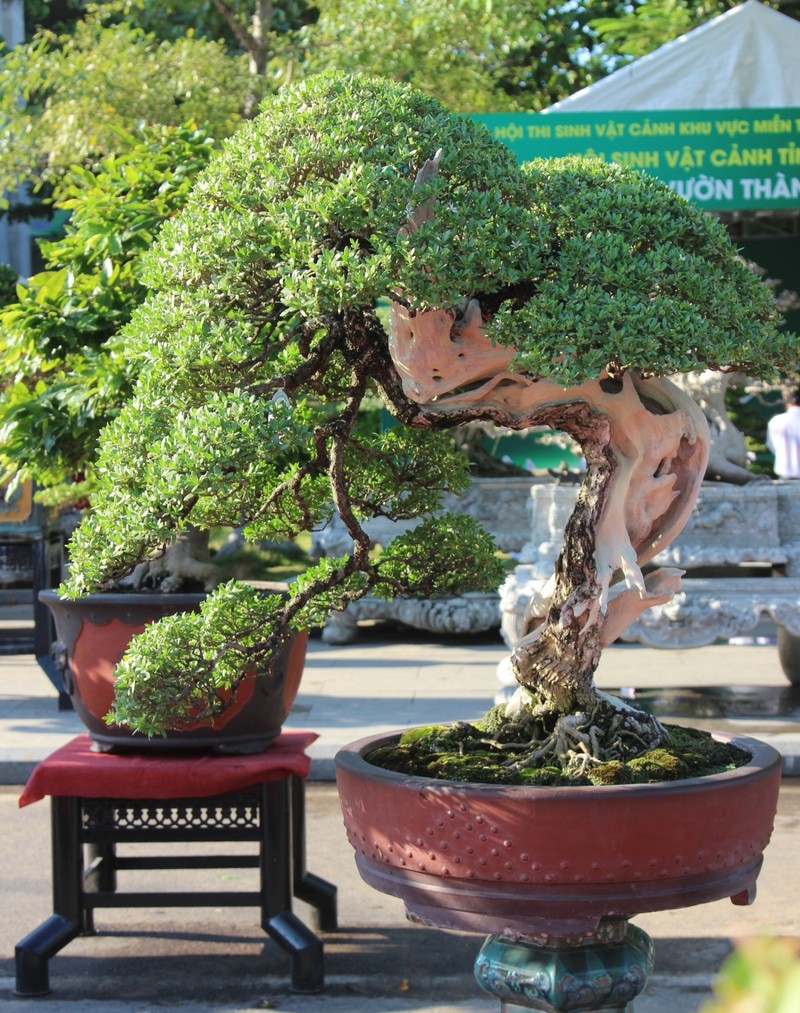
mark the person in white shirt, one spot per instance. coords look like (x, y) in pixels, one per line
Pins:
(783, 438)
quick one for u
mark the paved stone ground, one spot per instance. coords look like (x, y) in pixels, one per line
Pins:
(143, 961)
(219, 959)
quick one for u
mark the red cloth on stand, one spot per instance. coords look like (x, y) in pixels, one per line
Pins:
(76, 769)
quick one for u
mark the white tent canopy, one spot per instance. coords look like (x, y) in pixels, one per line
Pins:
(747, 58)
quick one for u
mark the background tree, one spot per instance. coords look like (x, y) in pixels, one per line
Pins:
(8, 285)
(55, 15)
(241, 24)
(649, 24)
(474, 56)
(263, 30)
(63, 370)
(64, 102)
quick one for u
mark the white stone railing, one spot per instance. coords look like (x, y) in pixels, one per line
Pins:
(738, 533)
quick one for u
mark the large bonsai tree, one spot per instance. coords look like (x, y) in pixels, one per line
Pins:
(560, 293)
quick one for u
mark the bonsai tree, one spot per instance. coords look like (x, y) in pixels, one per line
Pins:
(560, 293)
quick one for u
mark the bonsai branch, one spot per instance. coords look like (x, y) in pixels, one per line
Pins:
(337, 473)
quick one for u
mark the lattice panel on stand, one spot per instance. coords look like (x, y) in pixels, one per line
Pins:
(105, 815)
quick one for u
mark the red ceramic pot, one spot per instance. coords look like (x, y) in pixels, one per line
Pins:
(530, 861)
(93, 634)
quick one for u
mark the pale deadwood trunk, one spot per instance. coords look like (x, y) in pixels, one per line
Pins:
(646, 447)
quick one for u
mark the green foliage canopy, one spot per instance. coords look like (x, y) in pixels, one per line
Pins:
(636, 279)
(261, 339)
(73, 99)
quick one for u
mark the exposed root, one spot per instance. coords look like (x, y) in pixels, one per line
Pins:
(610, 731)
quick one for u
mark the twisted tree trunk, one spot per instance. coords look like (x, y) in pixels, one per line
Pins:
(646, 446)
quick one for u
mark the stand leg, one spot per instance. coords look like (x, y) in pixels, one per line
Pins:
(100, 877)
(604, 971)
(314, 890)
(33, 954)
(277, 882)
(308, 966)
(68, 861)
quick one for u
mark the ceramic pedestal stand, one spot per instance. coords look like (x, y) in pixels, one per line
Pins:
(554, 874)
(604, 970)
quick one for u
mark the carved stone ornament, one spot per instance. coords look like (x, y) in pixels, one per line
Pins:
(731, 526)
(466, 613)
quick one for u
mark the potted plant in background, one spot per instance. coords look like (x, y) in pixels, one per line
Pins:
(561, 294)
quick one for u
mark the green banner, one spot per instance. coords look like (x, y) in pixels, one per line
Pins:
(721, 159)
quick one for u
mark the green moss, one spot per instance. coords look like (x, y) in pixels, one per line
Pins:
(524, 728)
(547, 777)
(702, 753)
(415, 734)
(613, 772)
(661, 765)
(495, 750)
(480, 768)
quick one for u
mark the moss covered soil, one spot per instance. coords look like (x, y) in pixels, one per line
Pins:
(495, 750)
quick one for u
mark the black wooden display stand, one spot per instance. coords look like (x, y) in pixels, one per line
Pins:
(87, 830)
(31, 560)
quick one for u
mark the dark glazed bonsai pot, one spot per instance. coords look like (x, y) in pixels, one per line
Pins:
(554, 861)
(93, 634)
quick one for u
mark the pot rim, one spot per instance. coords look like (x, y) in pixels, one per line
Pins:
(116, 598)
(120, 597)
(763, 758)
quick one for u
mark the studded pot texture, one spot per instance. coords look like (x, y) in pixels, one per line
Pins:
(93, 633)
(554, 861)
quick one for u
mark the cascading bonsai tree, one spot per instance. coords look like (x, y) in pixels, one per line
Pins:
(560, 293)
